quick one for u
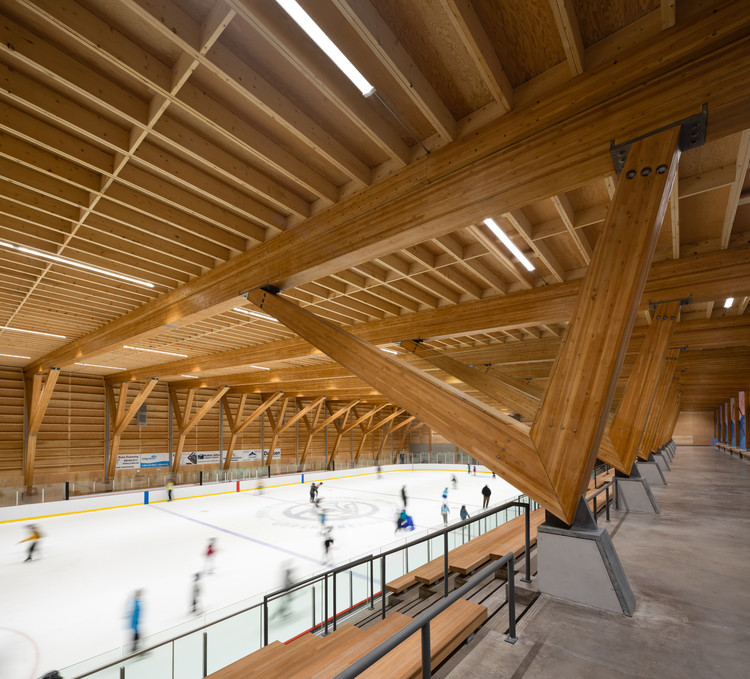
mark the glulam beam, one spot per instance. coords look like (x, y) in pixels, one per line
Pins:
(651, 427)
(236, 422)
(38, 394)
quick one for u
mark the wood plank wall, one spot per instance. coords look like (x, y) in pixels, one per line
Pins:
(72, 439)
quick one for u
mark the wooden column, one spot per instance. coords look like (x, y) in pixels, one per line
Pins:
(38, 395)
(404, 424)
(316, 428)
(632, 413)
(121, 415)
(237, 425)
(276, 423)
(657, 407)
(577, 399)
(185, 423)
(386, 420)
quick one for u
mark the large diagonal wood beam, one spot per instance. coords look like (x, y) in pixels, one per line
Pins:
(741, 163)
(569, 428)
(309, 428)
(238, 425)
(38, 394)
(123, 416)
(632, 412)
(703, 60)
(651, 425)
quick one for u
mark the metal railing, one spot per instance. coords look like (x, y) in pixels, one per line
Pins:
(163, 659)
(604, 489)
(422, 623)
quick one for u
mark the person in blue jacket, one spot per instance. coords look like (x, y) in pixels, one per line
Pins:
(135, 618)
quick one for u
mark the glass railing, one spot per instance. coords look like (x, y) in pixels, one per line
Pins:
(215, 640)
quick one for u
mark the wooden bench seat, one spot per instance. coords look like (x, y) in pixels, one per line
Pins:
(327, 664)
(515, 541)
(447, 632)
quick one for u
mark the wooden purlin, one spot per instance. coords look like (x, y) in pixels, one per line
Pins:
(123, 417)
(569, 428)
(651, 427)
(37, 399)
(700, 60)
(632, 413)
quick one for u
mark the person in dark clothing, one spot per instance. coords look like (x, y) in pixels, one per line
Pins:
(195, 607)
(486, 492)
(403, 495)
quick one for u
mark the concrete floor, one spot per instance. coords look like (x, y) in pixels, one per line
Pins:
(688, 568)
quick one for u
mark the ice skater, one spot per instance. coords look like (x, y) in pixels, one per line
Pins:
(486, 492)
(464, 513)
(468, 469)
(34, 539)
(403, 495)
(170, 488)
(314, 491)
(327, 544)
(287, 582)
(195, 607)
(445, 510)
(210, 554)
(135, 618)
(322, 517)
(475, 470)
(445, 493)
(454, 482)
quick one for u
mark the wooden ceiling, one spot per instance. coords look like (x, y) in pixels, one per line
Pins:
(209, 147)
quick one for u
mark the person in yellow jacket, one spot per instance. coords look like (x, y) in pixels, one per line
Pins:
(33, 539)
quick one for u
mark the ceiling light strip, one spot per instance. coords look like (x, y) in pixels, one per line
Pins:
(257, 314)
(32, 332)
(155, 351)
(74, 263)
(508, 243)
(106, 367)
(14, 356)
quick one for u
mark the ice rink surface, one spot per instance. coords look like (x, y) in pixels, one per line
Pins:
(70, 603)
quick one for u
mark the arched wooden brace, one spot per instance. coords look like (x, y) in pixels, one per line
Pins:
(409, 426)
(389, 421)
(343, 429)
(316, 428)
(185, 423)
(237, 425)
(279, 425)
(120, 416)
(552, 461)
(368, 428)
(38, 395)
(392, 429)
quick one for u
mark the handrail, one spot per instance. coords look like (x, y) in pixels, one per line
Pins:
(603, 489)
(423, 621)
(323, 577)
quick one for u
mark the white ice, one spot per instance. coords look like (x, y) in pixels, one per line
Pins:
(69, 604)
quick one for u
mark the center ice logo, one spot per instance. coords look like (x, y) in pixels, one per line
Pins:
(337, 511)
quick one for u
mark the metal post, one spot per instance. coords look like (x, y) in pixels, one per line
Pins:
(334, 600)
(445, 562)
(426, 654)
(205, 654)
(122, 673)
(325, 603)
(382, 583)
(372, 585)
(527, 522)
(511, 638)
(265, 621)
(596, 516)
(607, 494)
(313, 606)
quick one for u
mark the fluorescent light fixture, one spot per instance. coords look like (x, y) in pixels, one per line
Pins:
(508, 243)
(729, 302)
(14, 356)
(72, 262)
(312, 29)
(388, 351)
(154, 351)
(259, 367)
(31, 332)
(191, 377)
(257, 314)
(94, 365)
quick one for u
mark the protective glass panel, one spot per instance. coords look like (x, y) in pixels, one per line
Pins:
(188, 656)
(234, 638)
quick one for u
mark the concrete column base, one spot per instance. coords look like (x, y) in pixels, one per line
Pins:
(651, 472)
(579, 563)
(661, 460)
(634, 494)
